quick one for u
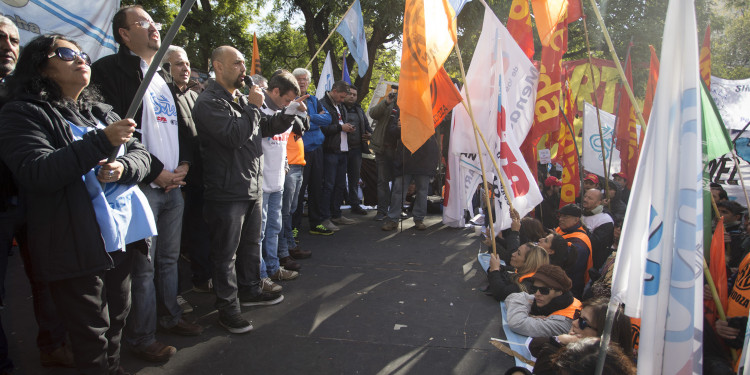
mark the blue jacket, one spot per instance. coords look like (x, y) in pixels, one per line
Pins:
(313, 138)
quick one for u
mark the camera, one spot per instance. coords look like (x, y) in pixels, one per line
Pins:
(393, 96)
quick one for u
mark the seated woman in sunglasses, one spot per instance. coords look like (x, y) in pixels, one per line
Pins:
(55, 137)
(547, 309)
(514, 278)
(589, 322)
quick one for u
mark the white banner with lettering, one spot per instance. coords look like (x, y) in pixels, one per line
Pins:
(732, 98)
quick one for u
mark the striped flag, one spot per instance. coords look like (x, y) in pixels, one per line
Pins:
(658, 271)
(429, 36)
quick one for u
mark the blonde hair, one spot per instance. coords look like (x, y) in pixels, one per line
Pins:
(535, 258)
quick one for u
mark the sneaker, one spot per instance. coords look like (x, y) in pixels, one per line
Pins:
(185, 305)
(269, 286)
(60, 357)
(329, 225)
(357, 209)
(419, 225)
(298, 253)
(263, 299)
(343, 220)
(380, 216)
(389, 225)
(184, 328)
(321, 230)
(235, 323)
(289, 263)
(295, 234)
(284, 274)
(206, 287)
(156, 352)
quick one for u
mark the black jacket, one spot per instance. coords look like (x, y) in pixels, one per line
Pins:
(422, 162)
(332, 143)
(355, 137)
(185, 101)
(37, 145)
(230, 137)
(117, 77)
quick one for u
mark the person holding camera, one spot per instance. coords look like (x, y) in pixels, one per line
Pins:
(384, 148)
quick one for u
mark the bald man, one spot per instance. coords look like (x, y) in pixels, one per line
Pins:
(600, 225)
(230, 128)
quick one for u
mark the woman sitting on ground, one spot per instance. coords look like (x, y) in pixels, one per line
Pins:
(548, 309)
(514, 278)
(588, 323)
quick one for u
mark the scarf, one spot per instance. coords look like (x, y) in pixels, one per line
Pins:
(597, 210)
(558, 303)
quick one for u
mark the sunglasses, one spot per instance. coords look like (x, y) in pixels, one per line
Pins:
(543, 290)
(67, 54)
(145, 24)
(582, 322)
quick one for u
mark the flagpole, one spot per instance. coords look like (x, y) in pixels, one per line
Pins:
(596, 105)
(329, 36)
(479, 154)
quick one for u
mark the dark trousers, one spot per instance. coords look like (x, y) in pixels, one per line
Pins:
(334, 185)
(196, 240)
(353, 166)
(235, 232)
(385, 177)
(312, 182)
(94, 308)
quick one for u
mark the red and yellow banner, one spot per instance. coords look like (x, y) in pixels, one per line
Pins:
(519, 26)
(568, 157)
(705, 58)
(429, 36)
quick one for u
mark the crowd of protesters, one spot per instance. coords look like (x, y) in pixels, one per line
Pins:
(226, 172)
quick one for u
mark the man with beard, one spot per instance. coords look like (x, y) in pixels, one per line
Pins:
(230, 128)
(600, 226)
(118, 77)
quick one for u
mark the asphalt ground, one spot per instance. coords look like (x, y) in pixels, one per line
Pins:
(367, 302)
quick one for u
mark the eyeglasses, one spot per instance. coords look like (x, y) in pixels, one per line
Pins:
(543, 290)
(145, 24)
(67, 54)
(582, 322)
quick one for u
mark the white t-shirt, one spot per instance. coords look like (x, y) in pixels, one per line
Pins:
(344, 139)
(159, 122)
(274, 158)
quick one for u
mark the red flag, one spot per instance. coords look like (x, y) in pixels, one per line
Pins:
(625, 130)
(718, 269)
(653, 77)
(705, 58)
(574, 10)
(519, 26)
(444, 95)
(567, 156)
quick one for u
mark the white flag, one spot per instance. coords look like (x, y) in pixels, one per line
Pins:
(592, 144)
(326, 78)
(658, 272)
(87, 22)
(489, 85)
(732, 98)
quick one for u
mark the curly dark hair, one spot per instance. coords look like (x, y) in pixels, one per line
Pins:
(580, 358)
(28, 79)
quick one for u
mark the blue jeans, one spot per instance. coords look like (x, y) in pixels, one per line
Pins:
(292, 185)
(384, 161)
(334, 185)
(154, 289)
(353, 166)
(398, 196)
(269, 235)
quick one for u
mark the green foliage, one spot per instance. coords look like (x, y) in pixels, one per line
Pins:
(730, 37)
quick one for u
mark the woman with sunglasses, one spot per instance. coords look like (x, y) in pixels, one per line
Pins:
(55, 137)
(589, 322)
(547, 309)
(514, 278)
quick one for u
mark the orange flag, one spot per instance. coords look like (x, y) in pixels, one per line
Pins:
(429, 36)
(567, 156)
(444, 95)
(519, 26)
(255, 64)
(548, 14)
(705, 59)
(718, 269)
(574, 10)
(653, 77)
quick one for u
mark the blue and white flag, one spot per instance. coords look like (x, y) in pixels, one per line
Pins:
(658, 272)
(352, 28)
(326, 78)
(458, 5)
(87, 22)
(345, 71)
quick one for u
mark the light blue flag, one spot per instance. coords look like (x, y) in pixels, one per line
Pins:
(458, 5)
(352, 28)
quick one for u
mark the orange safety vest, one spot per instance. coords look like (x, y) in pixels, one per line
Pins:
(635, 329)
(526, 276)
(585, 238)
(740, 295)
(570, 311)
